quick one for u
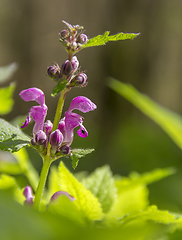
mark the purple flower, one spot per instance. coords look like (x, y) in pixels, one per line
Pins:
(28, 195)
(38, 113)
(60, 193)
(73, 120)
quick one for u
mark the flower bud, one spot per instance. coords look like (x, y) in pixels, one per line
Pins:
(74, 63)
(56, 138)
(47, 127)
(81, 79)
(65, 150)
(60, 193)
(33, 142)
(40, 138)
(28, 195)
(66, 68)
(54, 71)
(64, 34)
(82, 38)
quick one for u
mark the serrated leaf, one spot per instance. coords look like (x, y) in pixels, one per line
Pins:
(12, 139)
(135, 179)
(133, 193)
(88, 205)
(75, 161)
(59, 87)
(103, 39)
(76, 154)
(6, 99)
(151, 213)
(6, 72)
(169, 121)
(101, 184)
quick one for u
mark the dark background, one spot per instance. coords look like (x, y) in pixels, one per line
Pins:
(122, 136)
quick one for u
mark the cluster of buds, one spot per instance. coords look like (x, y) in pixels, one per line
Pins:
(73, 37)
(61, 138)
(69, 71)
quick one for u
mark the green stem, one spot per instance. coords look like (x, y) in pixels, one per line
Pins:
(59, 109)
(46, 159)
(42, 181)
(58, 114)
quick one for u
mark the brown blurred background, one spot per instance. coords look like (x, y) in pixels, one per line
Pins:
(122, 136)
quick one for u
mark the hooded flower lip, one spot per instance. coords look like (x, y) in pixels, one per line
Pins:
(73, 120)
(60, 193)
(38, 113)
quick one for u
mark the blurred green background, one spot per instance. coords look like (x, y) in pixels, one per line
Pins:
(122, 136)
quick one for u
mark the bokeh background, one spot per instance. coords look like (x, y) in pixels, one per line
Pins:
(122, 136)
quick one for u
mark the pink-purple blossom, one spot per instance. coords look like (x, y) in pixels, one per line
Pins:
(38, 113)
(28, 195)
(73, 120)
(61, 193)
(63, 136)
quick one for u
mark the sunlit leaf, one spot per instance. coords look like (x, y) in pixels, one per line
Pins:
(12, 139)
(101, 184)
(169, 121)
(135, 179)
(88, 205)
(151, 213)
(6, 99)
(103, 39)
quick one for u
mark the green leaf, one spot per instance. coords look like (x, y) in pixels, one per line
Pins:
(65, 207)
(26, 167)
(169, 121)
(101, 184)
(6, 100)
(135, 179)
(9, 184)
(59, 87)
(88, 205)
(9, 167)
(133, 193)
(103, 39)
(6, 72)
(12, 139)
(76, 154)
(20, 222)
(151, 213)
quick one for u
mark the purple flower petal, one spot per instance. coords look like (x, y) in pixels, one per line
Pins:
(27, 121)
(60, 193)
(33, 94)
(73, 120)
(83, 104)
(38, 113)
(28, 195)
(82, 132)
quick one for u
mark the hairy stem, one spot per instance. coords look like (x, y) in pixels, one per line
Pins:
(43, 176)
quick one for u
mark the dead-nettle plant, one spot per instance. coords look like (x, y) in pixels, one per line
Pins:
(53, 139)
(73, 201)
